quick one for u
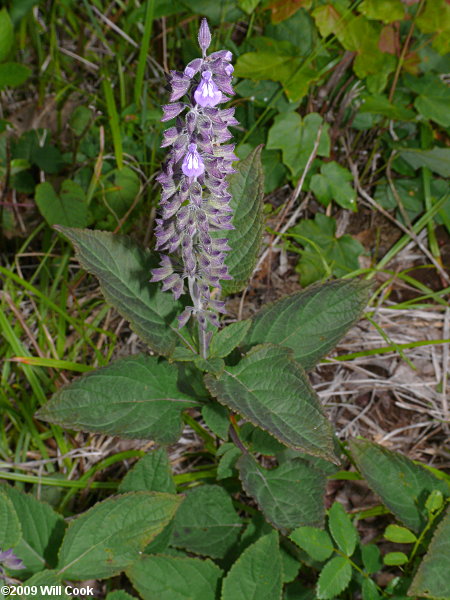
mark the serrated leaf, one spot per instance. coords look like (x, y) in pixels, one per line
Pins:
(431, 579)
(6, 34)
(217, 419)
(135, 397)
(342, 529)
(402, 485)
(152, 473)
(206, 523)
(311, 322)
(228, 338)
(44, 581)
(334, 578)
(10, 530)
(175, 578)
(247, 191)
(280, 492)
(401, 535)
(253, 576)
(68, 208)
(316, 542)
(42, 530)
(108, 537)
(437, 159)
(395, 558)
(272, 391)
(123, 272)
(369, 589)
(371, 557)
(296, 137)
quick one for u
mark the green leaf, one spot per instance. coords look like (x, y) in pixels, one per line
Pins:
(248, 6)
(108, 537)
(437, 159)
(333, 184)
(434, 501)
(13, 74)
(152, 473)
(68, 209)
(135, 397)
(371, 558)
(260, 441)
(380, 105)
(121, 188)
(296, 137)
(291, 565)
(435, 19)
(175, 578)
(227, 339)
(80, 119)
(229, 454)
(44, 581)
(433, 100)
(257, 573)
(275, 60)
(324, 253)
(387, 11)
(206, 523)
(402, 485)
(272, 391)
(334, 578)
(316, 542)
(6, 34)
(247, 190)
(395, 558)
(311, 322)
(42, 530)
(431, 579)
(401, 535)
(10, 530)
(342, 529)
(123, 271)
(217, 419)
(369, 589)
(280, 492)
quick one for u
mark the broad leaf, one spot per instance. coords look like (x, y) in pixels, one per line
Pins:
(45, 581)
(175, 578)
(402, 485)
(387, 11)
(13, 74)
(334, 578)
(247, 190)
(290, 496)
(42, 530)
(272, 391)
(257, 574)
(399, 535)
(123, 270)
(134, 397)
(206, 522)
(296, 137)
(217, 419)
(432, 580)
(69, 208)
(108, 537)
(228, 338)
(10, 530)
(316, 542)
(437, 159)
(342, 529)
(311, 322)
(324, 253)
(371, 557)
(229, 454)
(333, 183)
(152, 473)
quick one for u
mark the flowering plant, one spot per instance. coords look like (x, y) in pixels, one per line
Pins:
(259, 489)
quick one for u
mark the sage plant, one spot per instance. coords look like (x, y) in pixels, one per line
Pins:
(195, 201)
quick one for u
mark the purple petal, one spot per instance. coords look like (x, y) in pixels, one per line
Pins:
(172, 110)
(193, 165)
(207, 93)
(204, 36)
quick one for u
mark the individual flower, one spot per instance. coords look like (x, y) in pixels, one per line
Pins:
(207, 93)
(9, 560)
(193, 164)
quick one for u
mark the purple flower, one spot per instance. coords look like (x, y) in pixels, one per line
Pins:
(193, 165)
(9, 560)
(207, 93)
(195, 201)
